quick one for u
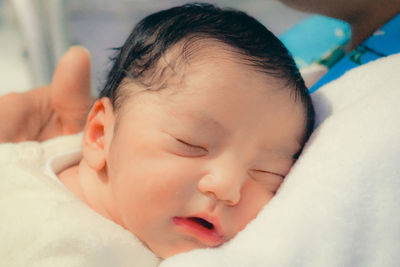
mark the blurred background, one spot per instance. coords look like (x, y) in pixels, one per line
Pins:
(34, 34)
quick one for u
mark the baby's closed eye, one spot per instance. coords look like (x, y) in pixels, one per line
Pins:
(269, 178)
(188, 148)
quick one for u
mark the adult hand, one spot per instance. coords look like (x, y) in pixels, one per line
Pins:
(49, 111)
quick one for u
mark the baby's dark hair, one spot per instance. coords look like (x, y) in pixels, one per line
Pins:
(150, 40)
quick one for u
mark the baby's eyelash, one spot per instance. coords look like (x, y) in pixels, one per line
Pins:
(185, 143)
(269, 172)
(190, 145)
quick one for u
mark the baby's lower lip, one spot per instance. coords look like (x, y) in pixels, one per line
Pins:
(208, 237)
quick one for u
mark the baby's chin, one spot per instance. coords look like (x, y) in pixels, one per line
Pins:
(164, 252)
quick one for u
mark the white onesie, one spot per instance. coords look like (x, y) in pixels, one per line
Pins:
(43, 224)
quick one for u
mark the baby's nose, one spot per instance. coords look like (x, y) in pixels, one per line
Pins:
(224, 186)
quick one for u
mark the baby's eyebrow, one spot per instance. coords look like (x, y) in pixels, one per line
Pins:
(206, 121)
(283, 152)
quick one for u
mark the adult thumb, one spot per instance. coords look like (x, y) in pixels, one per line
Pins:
(70, 89)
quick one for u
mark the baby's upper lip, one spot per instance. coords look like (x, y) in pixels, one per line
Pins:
(214, 220)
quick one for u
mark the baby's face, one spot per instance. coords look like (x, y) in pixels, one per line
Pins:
(189, 166)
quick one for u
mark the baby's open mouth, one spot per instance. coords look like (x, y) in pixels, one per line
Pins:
(202, 222)
(202, 229)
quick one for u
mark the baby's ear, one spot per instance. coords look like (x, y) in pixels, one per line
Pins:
(98, 134)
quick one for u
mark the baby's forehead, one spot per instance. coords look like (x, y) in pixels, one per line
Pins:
(188, 56)
(176, 67)
(173, 70)
(180, 59)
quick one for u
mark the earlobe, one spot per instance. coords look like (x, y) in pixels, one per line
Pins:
(99, 127)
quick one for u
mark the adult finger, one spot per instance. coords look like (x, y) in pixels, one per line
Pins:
(70, 89)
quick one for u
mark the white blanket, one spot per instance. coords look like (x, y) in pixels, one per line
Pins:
(340, 204)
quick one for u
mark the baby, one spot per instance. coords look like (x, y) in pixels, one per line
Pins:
(202, 116)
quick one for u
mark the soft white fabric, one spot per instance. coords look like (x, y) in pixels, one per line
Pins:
(340, 205)
(43, 224)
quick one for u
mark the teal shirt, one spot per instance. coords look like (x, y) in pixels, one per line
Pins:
(384, 42)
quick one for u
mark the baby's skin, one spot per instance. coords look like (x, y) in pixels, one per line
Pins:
(190, 165)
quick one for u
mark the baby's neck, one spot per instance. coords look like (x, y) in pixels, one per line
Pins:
(83, 182)
(70, 178)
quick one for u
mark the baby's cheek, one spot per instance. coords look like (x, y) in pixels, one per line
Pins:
(253, 199)
(168, 180)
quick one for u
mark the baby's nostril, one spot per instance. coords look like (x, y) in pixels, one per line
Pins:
(203, 222)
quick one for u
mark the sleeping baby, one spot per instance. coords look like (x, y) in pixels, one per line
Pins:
(202, 116)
